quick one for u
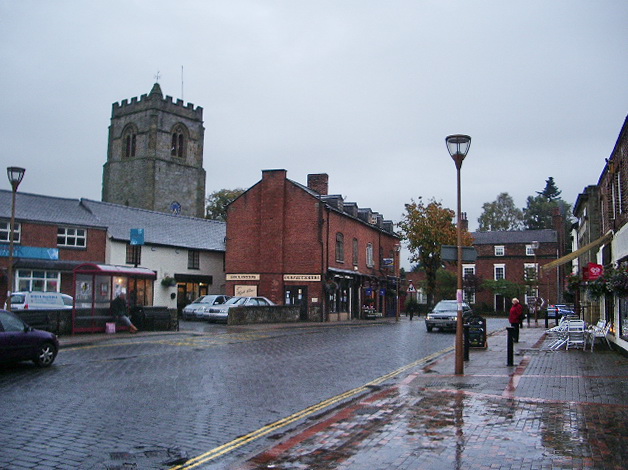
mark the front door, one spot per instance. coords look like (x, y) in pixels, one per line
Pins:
(297, 295)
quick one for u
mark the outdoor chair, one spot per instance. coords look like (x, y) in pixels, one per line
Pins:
(558, 335)
(576, 334)
(599, 331)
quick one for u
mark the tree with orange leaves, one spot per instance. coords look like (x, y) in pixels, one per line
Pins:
(426, 228)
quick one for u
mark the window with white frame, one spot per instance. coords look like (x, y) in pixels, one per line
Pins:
(72, 237)
(499, 250)
(529, 250)
(40, 281)
(468, 270)
(499, 271)
(369, 255)
(5, 229)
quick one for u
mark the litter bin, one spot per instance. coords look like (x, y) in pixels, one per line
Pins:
(138, 317)
(477, 331)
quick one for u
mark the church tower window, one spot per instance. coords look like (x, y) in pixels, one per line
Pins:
(178, 142)
(129, 138)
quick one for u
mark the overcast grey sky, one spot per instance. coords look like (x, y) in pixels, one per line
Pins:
(365, 91)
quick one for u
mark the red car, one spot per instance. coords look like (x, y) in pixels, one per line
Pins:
(20, 342)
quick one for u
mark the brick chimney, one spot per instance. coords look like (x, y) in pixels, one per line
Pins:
(464, 222)
(318, 182)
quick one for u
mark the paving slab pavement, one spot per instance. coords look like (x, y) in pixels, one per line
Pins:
(551, 410)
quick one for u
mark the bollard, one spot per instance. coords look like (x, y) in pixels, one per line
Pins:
(466, 341)
(546, 319)
(510, 349)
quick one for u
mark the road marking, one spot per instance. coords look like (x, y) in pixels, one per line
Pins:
(261, 432)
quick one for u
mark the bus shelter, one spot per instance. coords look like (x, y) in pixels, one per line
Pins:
(96, 285)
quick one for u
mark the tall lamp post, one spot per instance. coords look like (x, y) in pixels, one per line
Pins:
(458, 146)
(15, 175)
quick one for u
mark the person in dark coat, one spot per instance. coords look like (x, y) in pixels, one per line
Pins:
(118, 309)
(515, 318)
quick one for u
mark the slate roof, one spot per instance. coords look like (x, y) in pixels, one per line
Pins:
(514, 236)
(47, 209)
(159, 228)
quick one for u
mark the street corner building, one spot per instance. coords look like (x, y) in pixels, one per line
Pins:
(298, 245)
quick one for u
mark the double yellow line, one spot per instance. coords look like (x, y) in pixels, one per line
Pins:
(243, 440)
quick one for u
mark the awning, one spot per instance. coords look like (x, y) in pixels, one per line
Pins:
(578, 252)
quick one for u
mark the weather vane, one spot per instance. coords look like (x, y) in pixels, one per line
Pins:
(157, 76)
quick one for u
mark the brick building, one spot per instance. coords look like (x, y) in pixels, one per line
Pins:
(515, 256)
(297, 244)
(52, 236)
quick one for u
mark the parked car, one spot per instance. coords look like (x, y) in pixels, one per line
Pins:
(20, 342)
(444, 315)
(40, 300)
(221, 313)
(197, 308)
(559, 310)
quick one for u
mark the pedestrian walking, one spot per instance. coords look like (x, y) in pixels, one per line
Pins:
(515, 318)
(118, 309)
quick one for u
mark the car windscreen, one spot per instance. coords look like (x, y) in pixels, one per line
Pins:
(17, 298)
(445, 306)
(235, 301)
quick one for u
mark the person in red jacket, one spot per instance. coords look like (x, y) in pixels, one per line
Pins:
(515, 318)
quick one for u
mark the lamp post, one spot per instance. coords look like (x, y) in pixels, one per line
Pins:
(396, 269)
(458, 146)
(15, 175)
(535, 247)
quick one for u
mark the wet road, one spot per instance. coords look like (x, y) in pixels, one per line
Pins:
(154, 399)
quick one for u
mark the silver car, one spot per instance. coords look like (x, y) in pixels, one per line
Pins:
(444, 315)
(197, 309)
(221, 313)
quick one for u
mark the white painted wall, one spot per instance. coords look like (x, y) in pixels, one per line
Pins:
(169, 261)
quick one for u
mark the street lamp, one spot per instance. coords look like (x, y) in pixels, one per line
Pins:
(15, 175)
(535, 247)
(396, 269)
(458, 146)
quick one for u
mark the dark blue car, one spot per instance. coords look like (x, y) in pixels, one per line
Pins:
(20, 342)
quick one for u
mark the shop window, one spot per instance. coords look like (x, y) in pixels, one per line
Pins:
(5, 229)
(72, 237)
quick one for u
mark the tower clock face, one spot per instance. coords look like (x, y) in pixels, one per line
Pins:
(175, 207)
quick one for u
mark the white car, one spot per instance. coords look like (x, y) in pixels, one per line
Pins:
(198, 308)
(221, 313)
(40, 301)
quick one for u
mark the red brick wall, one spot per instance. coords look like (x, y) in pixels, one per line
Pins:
(275, 228)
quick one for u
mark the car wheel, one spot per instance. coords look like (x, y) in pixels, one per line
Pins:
(429, 328)
(45, 355)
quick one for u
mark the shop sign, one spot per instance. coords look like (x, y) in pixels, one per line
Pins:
(245, 291)
(302, 277)
(242, 277)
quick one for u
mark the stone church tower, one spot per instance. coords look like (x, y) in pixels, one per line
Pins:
(155, 155)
